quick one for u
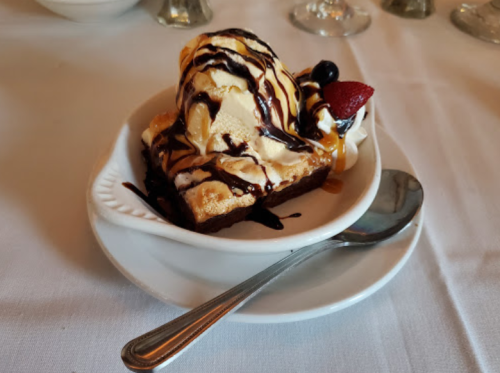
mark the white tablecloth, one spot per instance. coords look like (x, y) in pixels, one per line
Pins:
(64, 89)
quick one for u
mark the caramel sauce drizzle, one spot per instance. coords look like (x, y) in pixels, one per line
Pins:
(341, 151)
(330, 141)
(332, 186)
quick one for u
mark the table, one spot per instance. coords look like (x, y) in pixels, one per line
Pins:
(64, 89)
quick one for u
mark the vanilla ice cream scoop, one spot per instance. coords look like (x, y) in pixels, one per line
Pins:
(233, 83)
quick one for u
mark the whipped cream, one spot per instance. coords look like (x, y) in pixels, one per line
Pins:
(353, 138)
(331, 138)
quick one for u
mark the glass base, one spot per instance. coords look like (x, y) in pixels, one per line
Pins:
(480, 21)
(185, 13)
(330, 19)
(418, 9)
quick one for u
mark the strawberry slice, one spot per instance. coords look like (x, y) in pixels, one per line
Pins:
(346, 98)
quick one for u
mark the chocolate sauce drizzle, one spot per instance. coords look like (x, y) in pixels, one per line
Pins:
(236, 151)
(269, 219)
(295, 215)
(265, 217)
(150, 201)
(222, 58)
(171, 140)
(242, 33)
(237, 185)
(212, 105)
(158, 203)
(165, 208)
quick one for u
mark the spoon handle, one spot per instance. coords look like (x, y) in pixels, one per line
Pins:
(155, 349)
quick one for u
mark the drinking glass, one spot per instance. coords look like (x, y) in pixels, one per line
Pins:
(330, 18)
(409, 8)
(480, 21)
(185, 13)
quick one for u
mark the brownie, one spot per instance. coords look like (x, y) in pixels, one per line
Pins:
(176, 210)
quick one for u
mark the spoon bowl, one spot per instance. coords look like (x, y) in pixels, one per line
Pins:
(398, 200)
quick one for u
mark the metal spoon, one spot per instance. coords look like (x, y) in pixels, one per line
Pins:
(398, 200)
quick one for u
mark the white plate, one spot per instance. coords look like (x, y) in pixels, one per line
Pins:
(323, 214)
(188, 276)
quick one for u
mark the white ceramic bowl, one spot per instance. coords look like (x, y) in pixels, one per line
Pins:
(88, 10)
(323, 214)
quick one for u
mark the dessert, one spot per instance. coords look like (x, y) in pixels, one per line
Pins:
(247, 133)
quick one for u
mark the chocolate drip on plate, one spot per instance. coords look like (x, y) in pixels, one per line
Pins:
(265, 217)
(149, 201)
(158, 190)
(269, 219)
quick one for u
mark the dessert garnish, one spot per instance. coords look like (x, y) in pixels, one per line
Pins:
(325, 72)
(247, 134)
(346, 98)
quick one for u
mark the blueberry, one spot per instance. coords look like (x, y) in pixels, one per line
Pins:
(325, 72)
